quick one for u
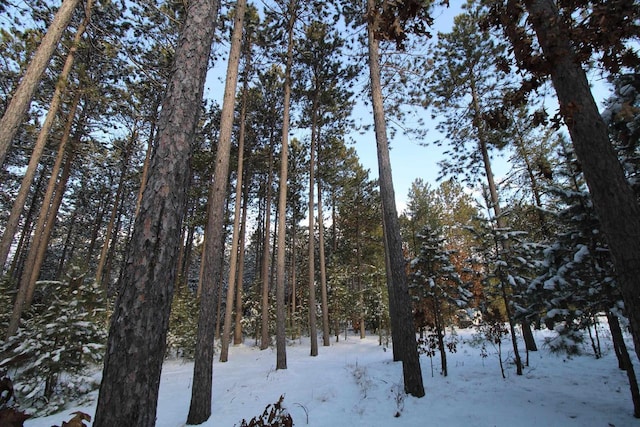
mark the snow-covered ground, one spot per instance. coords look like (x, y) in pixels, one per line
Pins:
(355, 383)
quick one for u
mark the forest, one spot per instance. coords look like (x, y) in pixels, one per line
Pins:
(179, 177)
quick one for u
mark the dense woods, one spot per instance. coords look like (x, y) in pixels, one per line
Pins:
(178, 177)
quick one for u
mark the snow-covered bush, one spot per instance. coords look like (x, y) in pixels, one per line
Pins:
(62, 335)
(568, 339)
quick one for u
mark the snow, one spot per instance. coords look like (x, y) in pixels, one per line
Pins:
(583, 252)
(355, 383)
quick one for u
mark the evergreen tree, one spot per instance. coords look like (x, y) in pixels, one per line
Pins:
(60, 342)
(577, 280)
(565, 43)
(357, 255)
(508, 264)
(183, 324)
(436, 287)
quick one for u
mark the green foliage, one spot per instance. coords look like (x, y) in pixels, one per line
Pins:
(576, 279)
(508, 262)
(343, 299)
(252, 320)
(568, 340)
(436, 286)
(63, 336)
(183, 324)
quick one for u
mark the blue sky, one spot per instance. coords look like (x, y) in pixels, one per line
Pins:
(409, 158)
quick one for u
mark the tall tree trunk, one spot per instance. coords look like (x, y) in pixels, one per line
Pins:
(21, 99)
(396, 338)
(97, 226)
(242, 190)
(66, 245)
(439, 326)
(627, 365)
(147, 158)
(42, 241)
(613, 199)
(293, 318)
(15, 270)
(265, 339)
(113, 245)
(495, 202)
(326, 337)
(237, 331)
(18, 205)
(397, 282)
(312, 240)
(137, 335)
(32, 269)
(187, 248)
(281, 338)
(201, 270)
(359, 279)
(503, 246)
(201, 391)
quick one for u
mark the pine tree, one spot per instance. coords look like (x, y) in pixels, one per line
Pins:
(403, 329)
(436, 287)
(577, 280)
(59, 343)
(508, 265)
(141, 315)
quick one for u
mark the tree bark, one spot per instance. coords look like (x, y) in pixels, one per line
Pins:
(216, 219)
(237, 331)
(23, 242)
(397, 282)
(281, 337)
(613, 199)
(147, 157)
(137, 335)
(625, 361)
(21, 99)
(313, 332)
(326, 335)
(265, 339)
(43, 136)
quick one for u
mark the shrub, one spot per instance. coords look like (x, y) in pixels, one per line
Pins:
(62, 336)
